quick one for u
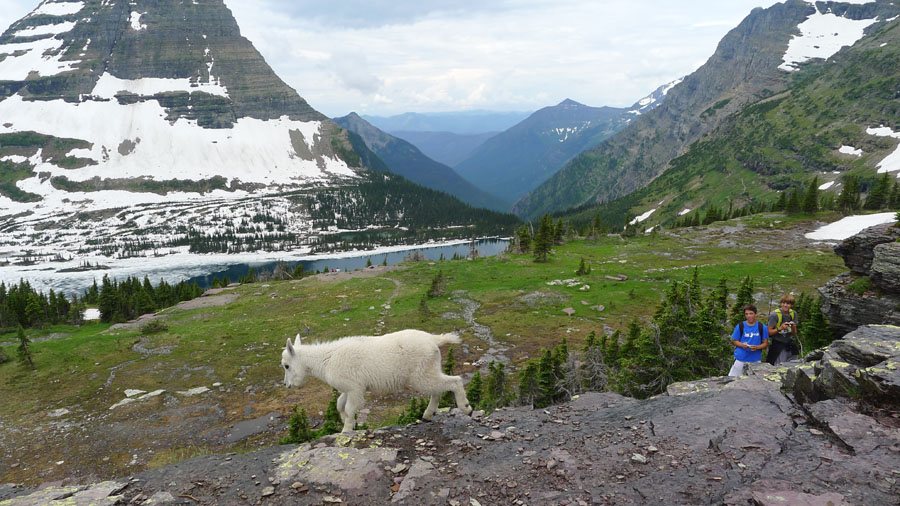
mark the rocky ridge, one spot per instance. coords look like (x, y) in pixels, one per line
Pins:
(765, 438)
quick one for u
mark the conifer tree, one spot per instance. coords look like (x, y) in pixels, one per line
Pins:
(744, 297)
(332, 423)
(524, 239)
(594, 371)
(811, 199)
(582, 269)
(781, 203)
(611, 350)
(298, 428)
(529, 389)
(815, 332)
(543, 240)
(793, 203)
(880, 194)
(474, 390)
(559, 232)
(447, 399)
(848, 200)
(24, 351)
(496, 390)
(894, 199)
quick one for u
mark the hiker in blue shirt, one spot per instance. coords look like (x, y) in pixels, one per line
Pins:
(750, 337)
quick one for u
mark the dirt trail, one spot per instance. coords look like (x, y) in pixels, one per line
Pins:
(495, 349)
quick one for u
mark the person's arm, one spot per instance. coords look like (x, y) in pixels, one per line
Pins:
(772, 324)
(735, 339)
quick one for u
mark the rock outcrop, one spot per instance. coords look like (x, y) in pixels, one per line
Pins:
(813, 433)
(870, 292)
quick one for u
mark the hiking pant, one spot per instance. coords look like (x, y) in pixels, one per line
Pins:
(781, 352)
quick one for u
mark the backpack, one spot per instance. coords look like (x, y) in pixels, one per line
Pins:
(778, 312)
(758, 327)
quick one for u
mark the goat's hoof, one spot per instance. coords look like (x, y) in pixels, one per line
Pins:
(467, 410)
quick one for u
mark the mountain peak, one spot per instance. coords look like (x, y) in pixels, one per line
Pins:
(569, 103)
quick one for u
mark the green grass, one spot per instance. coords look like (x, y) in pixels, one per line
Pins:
(239, 344)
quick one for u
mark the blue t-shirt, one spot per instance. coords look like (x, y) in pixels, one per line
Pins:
(751, 336)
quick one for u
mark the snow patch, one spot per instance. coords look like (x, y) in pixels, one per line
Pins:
(850, 150)
(821, 36)
(825, 186)
(33, 59)
(684, 211)
(14, 159)
(135, 21)
(108, 85)
(849, 226)
(642, 217)
(58, 8)
(891, 162)
(671, 85)
(54, 29)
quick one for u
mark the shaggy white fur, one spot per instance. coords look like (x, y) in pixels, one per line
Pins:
(388, 363)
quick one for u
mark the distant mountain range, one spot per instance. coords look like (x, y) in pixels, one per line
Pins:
(462, 122)
(445, 147)
(514, 162)
(403, 158)
(755, 63)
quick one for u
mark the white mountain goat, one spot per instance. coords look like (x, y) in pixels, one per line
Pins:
(383, 364)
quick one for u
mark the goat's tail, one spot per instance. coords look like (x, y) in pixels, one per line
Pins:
(442, 339)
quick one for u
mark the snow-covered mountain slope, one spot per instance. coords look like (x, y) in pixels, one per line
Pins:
(653, 100)
(123, 92)
(135, 128)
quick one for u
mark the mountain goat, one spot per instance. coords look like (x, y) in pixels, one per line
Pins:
(383, 364)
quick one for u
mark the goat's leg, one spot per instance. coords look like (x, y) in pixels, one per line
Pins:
(432, 406)
(456, 386)
(341, 406)
(354, 401)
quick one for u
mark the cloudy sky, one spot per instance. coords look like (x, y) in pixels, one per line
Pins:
(392, 56)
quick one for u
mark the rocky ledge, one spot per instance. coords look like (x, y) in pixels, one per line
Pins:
(821, 432)
(870, 292)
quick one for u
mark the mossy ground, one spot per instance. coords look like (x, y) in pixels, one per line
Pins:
(87, 369)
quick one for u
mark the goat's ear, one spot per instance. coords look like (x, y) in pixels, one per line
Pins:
(297, 340)
(289, 347)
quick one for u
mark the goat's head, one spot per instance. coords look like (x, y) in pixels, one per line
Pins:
(294, 372)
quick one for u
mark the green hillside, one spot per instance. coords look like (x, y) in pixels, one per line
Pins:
(781, 143)
(742, 72)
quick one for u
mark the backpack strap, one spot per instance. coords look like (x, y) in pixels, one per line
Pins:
(778, 312)
(759, 327)
(742, 329)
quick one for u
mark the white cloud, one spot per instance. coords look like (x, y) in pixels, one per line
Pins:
(386, 57)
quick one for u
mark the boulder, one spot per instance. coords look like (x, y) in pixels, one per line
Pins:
(847, 310)
(886, 267)
(857, 251)
(864, 364)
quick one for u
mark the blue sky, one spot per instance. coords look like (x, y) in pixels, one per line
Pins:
(388, 57)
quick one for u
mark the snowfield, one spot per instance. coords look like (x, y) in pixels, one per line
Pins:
(821, 36)
(849, 226)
